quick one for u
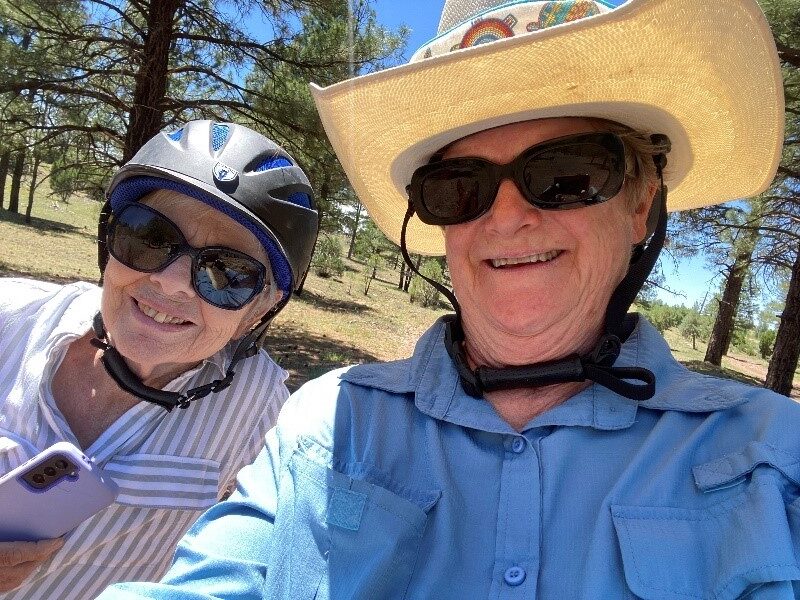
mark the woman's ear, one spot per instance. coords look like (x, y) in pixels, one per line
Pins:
(641, 212)
(256, 310)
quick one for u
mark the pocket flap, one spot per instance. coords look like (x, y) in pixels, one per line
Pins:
(731, 468)
(719, 552)
(159, 481)
(348, 495)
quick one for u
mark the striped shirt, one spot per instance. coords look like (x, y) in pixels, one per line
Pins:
(169, 466)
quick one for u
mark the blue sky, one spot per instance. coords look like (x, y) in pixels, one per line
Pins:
(691, 277)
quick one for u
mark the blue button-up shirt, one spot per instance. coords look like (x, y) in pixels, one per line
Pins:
(387, 481)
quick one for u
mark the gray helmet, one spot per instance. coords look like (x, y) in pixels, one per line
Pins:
(240, 173)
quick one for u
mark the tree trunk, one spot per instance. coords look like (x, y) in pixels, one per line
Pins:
(402, 275)
(355, 231)
(34, 174)
(16, 181)
(722, 332)
(5, 161)
(786, 351)
(147, 115)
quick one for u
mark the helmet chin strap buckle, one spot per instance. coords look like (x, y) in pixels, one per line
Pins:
(596, 367)
(606, 351)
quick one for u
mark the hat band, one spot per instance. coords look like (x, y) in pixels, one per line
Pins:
(509, 20)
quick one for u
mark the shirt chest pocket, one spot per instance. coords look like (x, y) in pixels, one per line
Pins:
(356, 539)
(741, 545)
(169, 482)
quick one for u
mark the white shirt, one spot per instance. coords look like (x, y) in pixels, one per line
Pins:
(169, 466)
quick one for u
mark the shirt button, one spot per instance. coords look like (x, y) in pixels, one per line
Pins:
(514, 575)
(518, 445)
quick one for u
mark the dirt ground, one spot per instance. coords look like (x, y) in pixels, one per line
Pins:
(748, 366)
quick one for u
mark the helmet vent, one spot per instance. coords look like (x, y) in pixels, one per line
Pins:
(273, 162)
(175, 136)
(219, 134)
(300, 199)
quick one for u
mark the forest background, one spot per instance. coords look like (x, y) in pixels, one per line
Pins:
(84, 83)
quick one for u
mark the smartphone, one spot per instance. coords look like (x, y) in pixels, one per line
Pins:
(51, 494)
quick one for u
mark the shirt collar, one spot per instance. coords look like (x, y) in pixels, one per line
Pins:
(677, 388)
(431, 376)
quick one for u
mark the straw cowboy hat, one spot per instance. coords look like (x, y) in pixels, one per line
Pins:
(704, 72)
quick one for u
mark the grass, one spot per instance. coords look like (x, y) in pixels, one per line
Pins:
(735, 365)
(693, 358)
(60, 243)
(330, 325)
(333, 324)
(48, 249)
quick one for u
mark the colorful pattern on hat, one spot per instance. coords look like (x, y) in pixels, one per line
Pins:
(556, 13)
(487, 30)
(508, 20)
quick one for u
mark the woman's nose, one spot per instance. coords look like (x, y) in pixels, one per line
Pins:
(176, 278)
(510, 210)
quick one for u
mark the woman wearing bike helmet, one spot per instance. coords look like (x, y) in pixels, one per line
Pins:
(211, 229)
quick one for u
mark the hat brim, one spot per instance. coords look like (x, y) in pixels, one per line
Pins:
(704, 73)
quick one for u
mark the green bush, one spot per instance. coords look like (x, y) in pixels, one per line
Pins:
(63, 181)
(745, 345)
(420, 290)
(328, 257)
(663, 316)
(694, 326)
(766, 341)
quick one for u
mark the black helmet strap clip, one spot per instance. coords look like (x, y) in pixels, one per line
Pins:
(127, 380)
(597, 365)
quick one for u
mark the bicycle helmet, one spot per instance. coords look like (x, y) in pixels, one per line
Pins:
(239, 172)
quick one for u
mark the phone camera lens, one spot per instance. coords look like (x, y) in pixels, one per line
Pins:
(38, 478)
(61, 464)
(50, 471)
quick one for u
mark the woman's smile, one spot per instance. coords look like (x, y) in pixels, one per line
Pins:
(530, 259)
(161, 318)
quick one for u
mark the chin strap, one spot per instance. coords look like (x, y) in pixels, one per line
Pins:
(126, 379)
(597, 365)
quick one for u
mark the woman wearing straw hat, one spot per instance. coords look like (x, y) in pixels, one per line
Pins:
(539, 443)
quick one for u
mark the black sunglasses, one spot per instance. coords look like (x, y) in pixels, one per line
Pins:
(559, 174)
(143, 239)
